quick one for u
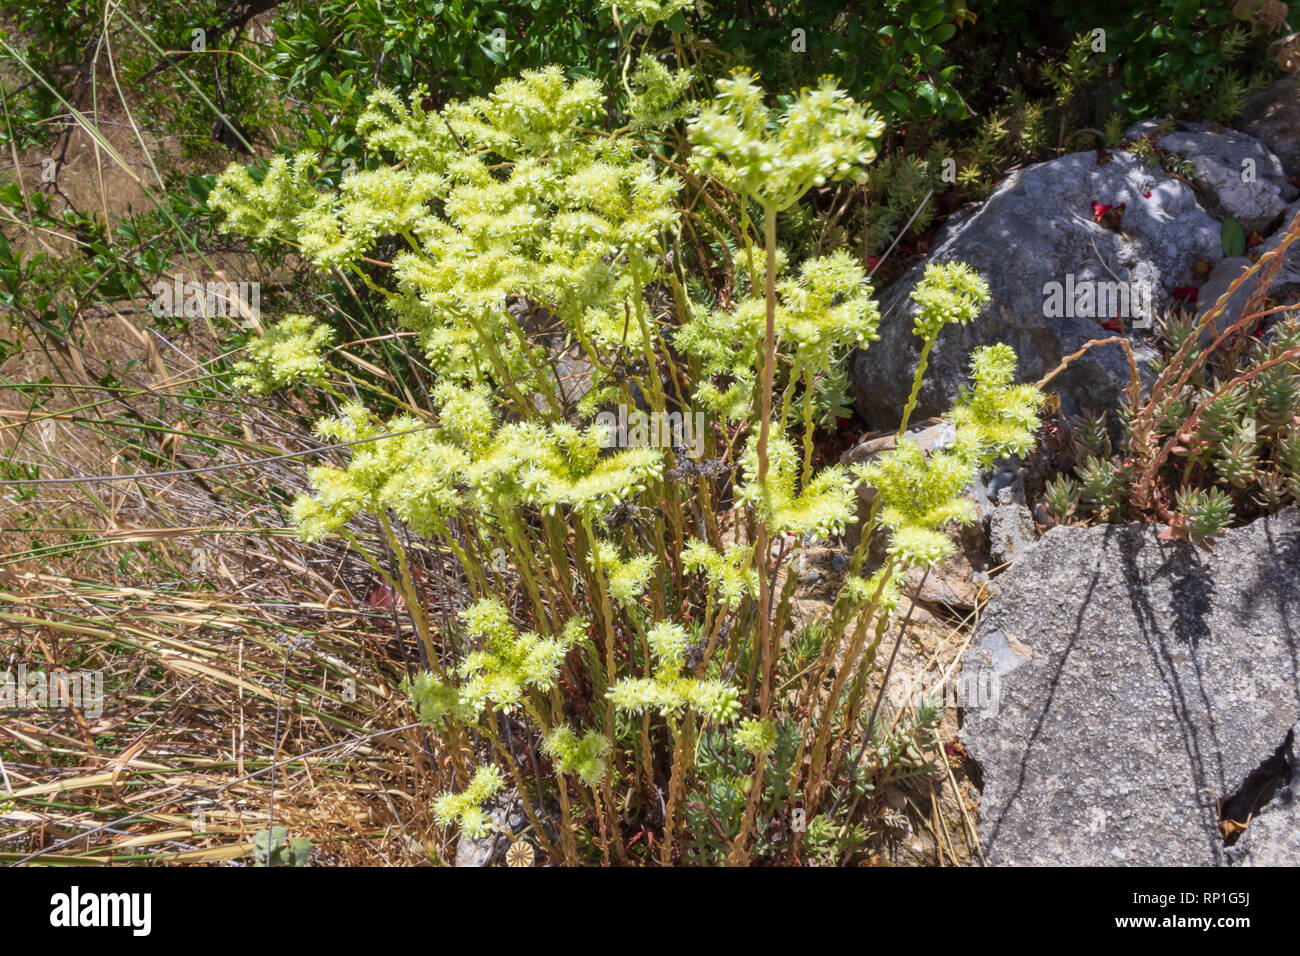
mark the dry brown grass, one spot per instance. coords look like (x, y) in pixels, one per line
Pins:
(225, 643)
(249, 678)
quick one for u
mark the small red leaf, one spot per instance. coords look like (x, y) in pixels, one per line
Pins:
(1108, 216)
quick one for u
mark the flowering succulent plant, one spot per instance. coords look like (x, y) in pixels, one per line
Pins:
(1216, 437)
(612, 616)
(822, 135)
(465, 809)
(666, 691)
(650, 11)
(658, 94)
(289, 353)
(504, 195)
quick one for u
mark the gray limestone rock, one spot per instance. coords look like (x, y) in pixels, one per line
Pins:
(1035, 230)
(1273, 117)
(1131, 687)
(1236, 172)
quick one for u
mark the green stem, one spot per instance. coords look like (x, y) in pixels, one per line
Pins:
(739, 851)
(916, 385)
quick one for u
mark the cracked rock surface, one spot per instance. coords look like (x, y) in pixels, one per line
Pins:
(1128, 683)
